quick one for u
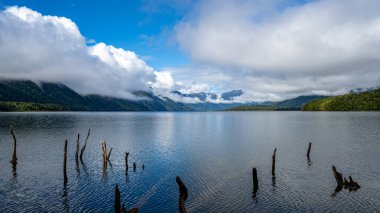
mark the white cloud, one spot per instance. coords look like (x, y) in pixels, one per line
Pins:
(328, 46)
(51, 48)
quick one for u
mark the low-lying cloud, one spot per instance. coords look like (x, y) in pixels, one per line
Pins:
(274, 51)
(51, 48)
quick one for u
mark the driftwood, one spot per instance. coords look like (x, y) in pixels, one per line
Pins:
(342, 182)
(77, 151)
(308, 151)
(182, 195)
(274, 162)
(14, 157)
(64, 163)
(84, 146)
(255, 182)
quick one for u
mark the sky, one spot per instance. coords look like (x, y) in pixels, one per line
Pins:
(271, 49)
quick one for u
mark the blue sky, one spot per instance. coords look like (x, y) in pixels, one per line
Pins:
(271, 49)
(141, 26)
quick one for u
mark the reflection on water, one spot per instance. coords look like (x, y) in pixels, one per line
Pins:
(213, 153)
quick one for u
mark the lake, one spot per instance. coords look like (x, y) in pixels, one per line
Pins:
(212, 152)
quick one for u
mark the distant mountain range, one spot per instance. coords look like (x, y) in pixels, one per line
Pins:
(26, 95)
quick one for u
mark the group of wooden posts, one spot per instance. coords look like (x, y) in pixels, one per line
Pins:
(341, 182)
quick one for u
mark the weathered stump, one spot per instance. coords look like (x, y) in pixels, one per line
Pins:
(64, 163)
(182, 195)
(308, 151)
(85, 145)
(274, 162)
(77, 151)
(117, 199)
(126, 162)
(14, 156)
(255, 182)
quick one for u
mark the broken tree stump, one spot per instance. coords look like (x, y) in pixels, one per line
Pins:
(77, 151)
(64, 163)
(117, 199)
(274, 162)
(104, 154)
(182, 195)
(342, 182)
(255, 182)
(84, 146)
(308, 151)
(14, 156)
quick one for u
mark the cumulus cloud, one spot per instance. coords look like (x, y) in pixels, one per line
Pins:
(51, 48)
(274, 51)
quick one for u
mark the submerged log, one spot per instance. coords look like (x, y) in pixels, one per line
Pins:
(182, 195)
(64, 163)
(308, 151)
(14, 156)
(274, 162)
(84, 146)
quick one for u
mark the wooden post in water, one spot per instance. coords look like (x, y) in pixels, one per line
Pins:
(134, 166)
(64, 163)
(255, 182)
(104, 154)
(84, 146)
(117, 199)
(274, 162)
(14, 157)
(308, 151)
(126, 162)
(182, 195)
(77, 151)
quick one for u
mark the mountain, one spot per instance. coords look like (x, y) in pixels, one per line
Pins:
(290, 104)
(364, 101)
(25, 95)
(232, 94)
(298, 102)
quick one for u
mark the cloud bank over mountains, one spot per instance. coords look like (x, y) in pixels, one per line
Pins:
(275, 49)
(50, 48)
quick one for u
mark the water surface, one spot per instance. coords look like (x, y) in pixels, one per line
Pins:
(213, 153)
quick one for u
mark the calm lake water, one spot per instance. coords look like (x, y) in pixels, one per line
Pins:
(213, 153)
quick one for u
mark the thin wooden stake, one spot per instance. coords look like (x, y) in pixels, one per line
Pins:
(77, 151)
(308, 151)
(84, 146)
(255, 182)
(274, 162)
(126, 162)
(64, 163)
